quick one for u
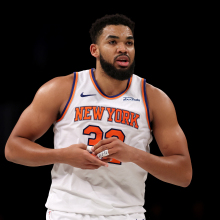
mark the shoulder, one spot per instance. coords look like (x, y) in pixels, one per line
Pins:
(156, 93)
(55, 92)
(158, 101)
(55, 85)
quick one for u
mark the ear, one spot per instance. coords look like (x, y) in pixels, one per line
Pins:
(94, 50)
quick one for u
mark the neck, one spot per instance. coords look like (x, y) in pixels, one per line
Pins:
(107, 84)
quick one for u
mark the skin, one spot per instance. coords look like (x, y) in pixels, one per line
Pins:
(173, 167)
(110, 48)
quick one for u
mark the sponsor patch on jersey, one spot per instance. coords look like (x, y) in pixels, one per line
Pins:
(130, 99)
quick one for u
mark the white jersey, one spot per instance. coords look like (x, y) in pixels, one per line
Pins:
(90, 116)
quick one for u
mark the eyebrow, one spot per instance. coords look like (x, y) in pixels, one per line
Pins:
(130, 38)
(116, 37)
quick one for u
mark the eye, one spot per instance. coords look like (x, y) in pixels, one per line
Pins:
(130, 43)
(112, 42)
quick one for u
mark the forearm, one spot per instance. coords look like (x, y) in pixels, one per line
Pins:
(25, 152)
(171, 169)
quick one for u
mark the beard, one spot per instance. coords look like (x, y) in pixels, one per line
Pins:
(112, 71)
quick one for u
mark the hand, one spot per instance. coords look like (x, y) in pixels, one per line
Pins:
(76, 155)
(116, 149)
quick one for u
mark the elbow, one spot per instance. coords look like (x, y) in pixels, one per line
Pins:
(186, 173)
(186, 183)
(8, 153)
(187, 179)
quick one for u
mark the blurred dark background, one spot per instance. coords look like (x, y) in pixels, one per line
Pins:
(38, 45)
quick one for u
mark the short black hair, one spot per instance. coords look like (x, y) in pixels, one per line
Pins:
(116, 19)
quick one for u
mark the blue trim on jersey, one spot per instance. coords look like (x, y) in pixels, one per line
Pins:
(93, 76)
(74, 79)
(145, 97)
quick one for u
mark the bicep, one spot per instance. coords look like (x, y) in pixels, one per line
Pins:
(38, 116)
(171, 141)
(32, 124)
(167, 131)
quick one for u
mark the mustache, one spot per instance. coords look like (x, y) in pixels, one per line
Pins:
(123, 54)
(112, 71)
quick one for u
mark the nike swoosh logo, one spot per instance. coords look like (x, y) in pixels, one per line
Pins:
(82, 95)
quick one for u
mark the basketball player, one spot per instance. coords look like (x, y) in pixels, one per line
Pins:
(108, 111)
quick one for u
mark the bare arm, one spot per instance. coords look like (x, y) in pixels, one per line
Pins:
(35, 121)
(175, 165)
(32, 124)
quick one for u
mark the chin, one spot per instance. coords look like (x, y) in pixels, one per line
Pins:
(122, 67)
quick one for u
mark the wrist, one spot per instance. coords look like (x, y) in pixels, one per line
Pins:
(134, 155)
(137, 155)
(58, 155)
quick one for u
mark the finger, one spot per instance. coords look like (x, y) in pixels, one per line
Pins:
(109, 155)
(96, 161)
(91, 167)
(103, 142)
(83, 146)
(103, 154)
(106, 160)
(103, 147)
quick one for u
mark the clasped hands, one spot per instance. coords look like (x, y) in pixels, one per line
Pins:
(76, 155)
(115, 149)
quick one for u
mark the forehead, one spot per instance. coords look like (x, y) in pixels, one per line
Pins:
(120, 31)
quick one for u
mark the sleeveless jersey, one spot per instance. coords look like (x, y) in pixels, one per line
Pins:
(88, 117)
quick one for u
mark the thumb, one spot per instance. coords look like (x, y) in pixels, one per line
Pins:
(83, 146)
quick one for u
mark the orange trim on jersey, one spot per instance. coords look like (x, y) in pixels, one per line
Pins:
(144, 97)
(102, 94)
(70, 98)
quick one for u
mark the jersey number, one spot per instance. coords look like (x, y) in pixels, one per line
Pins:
(91, 129)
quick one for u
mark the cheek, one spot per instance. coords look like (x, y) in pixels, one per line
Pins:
(108, 56)
(132, 54)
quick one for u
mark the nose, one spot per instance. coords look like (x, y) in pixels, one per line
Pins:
(122, 48)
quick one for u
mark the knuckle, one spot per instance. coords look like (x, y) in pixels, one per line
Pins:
(117, 149)
(101, 142)
(98, 150)
(102, 148)
(83, 146)
(85, 154)
(117, 140)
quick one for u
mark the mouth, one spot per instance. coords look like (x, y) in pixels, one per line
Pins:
(123, 60)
